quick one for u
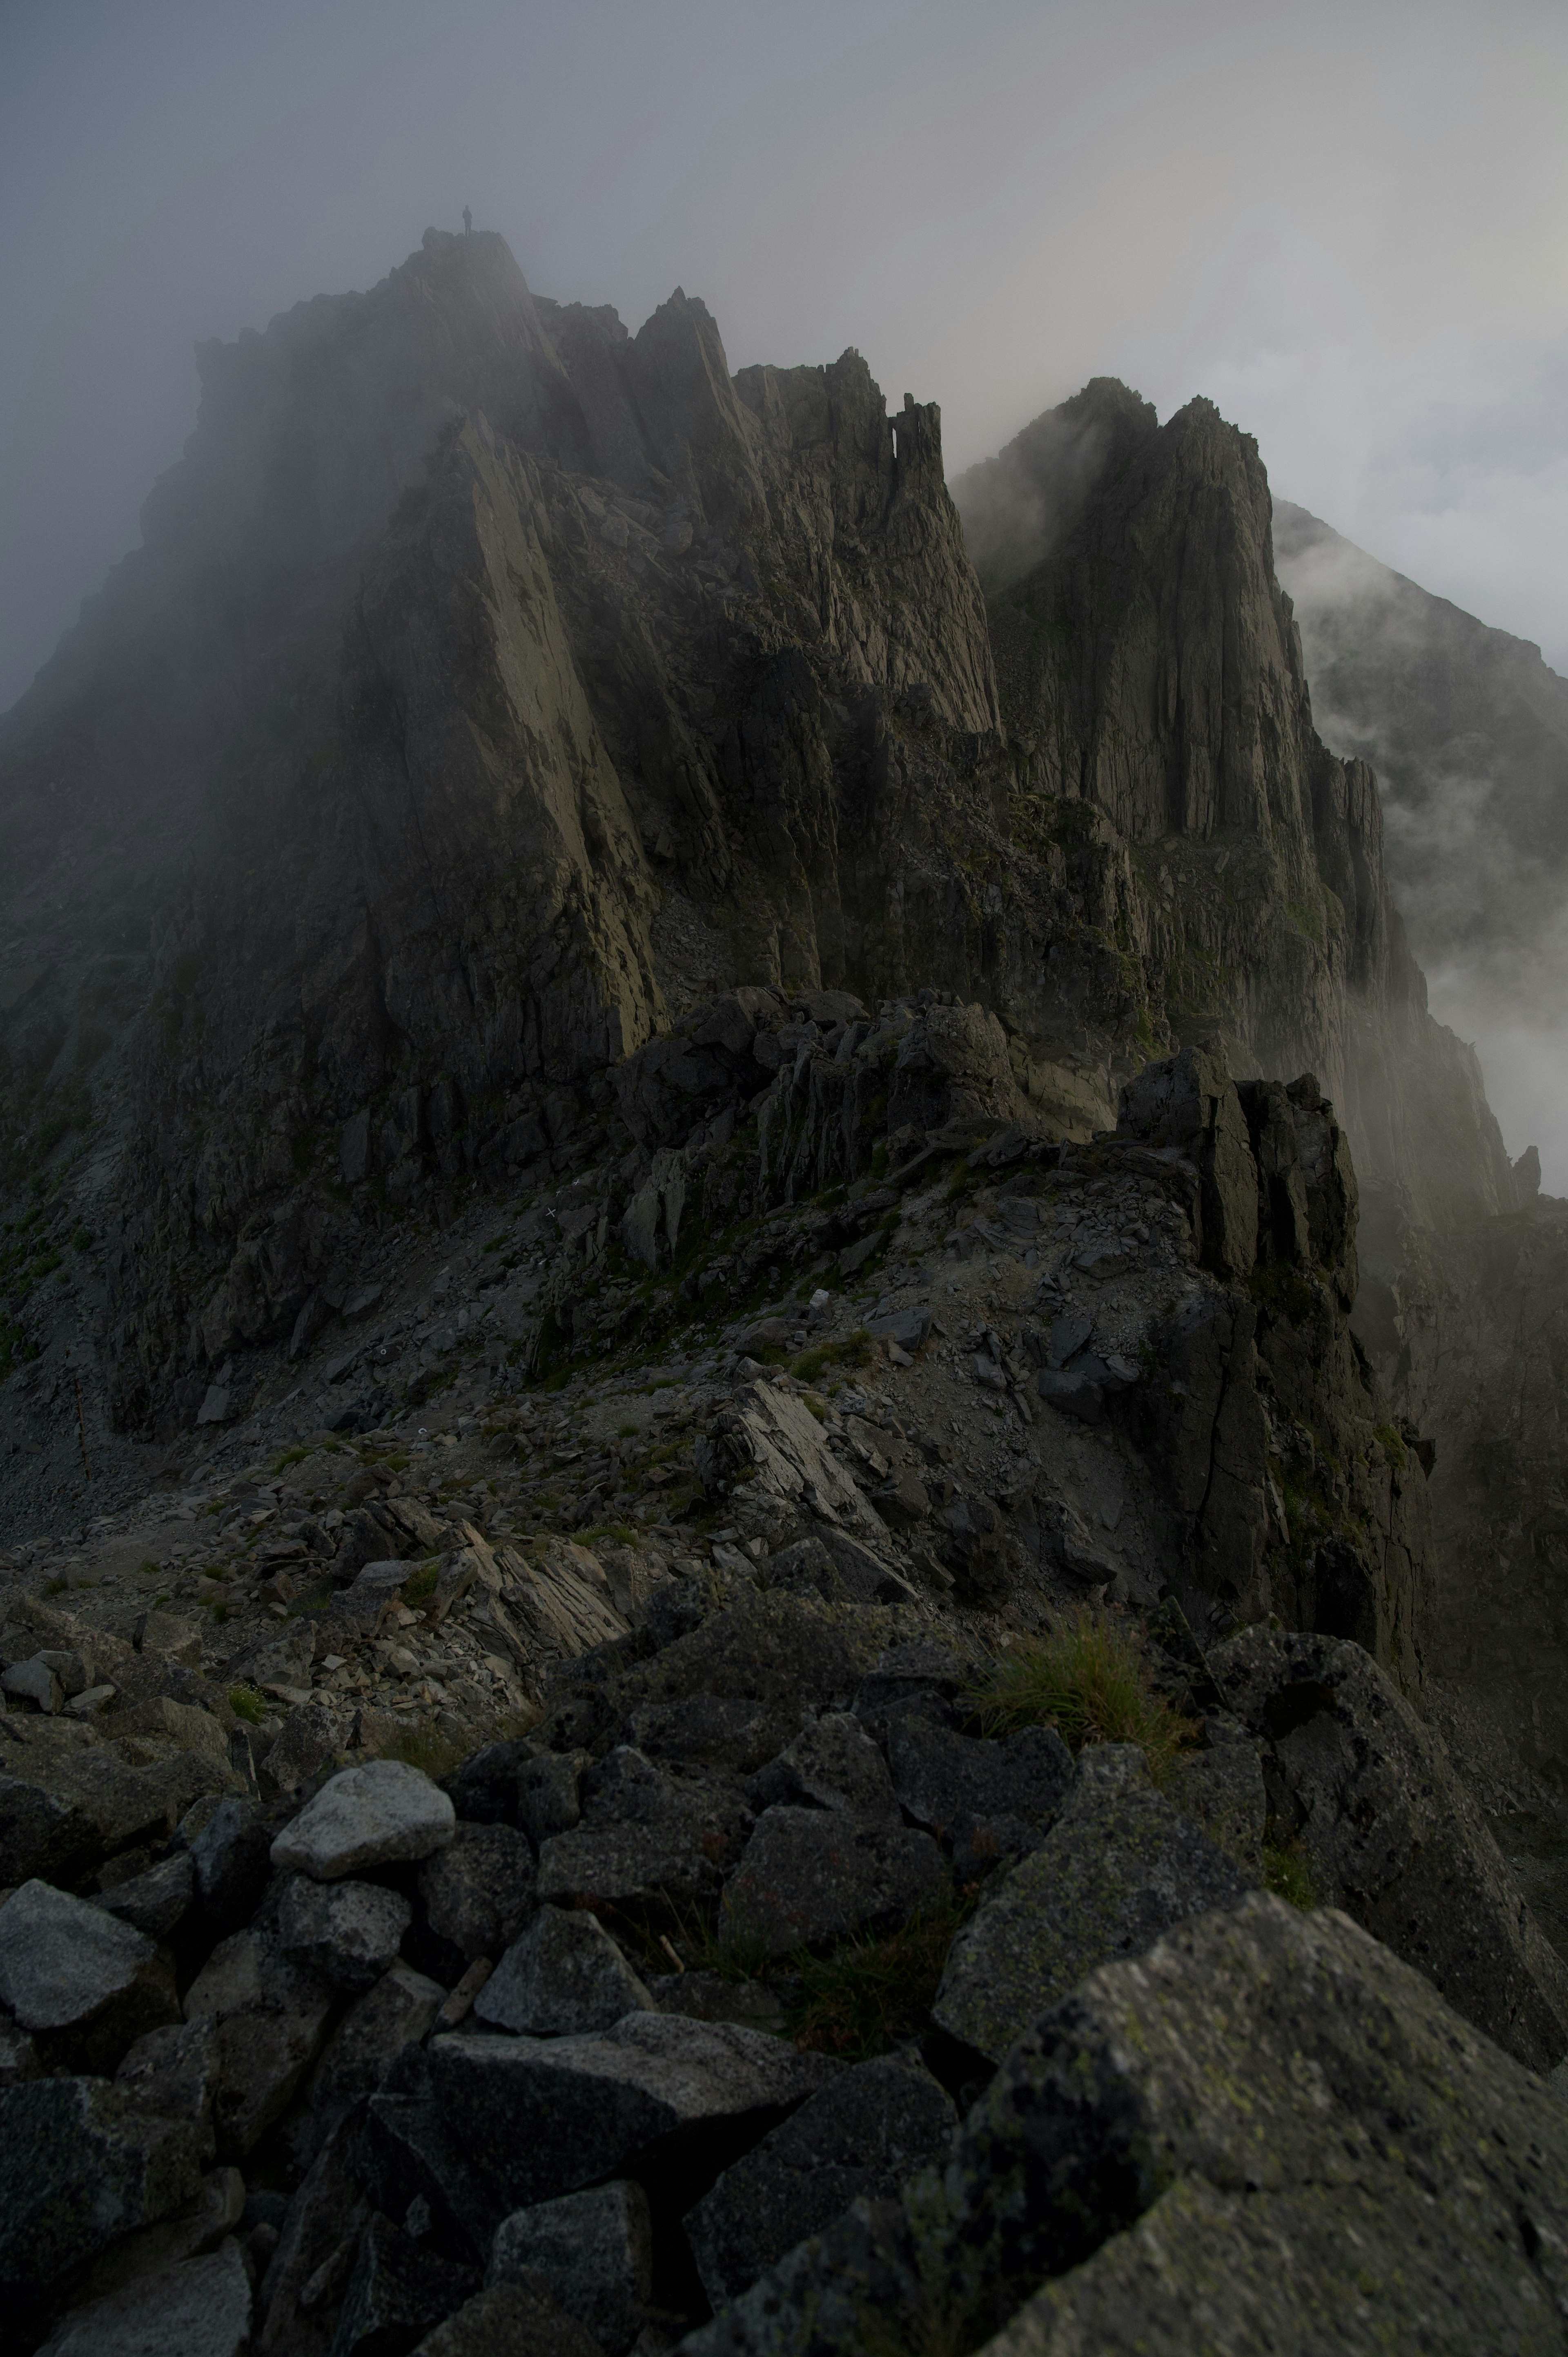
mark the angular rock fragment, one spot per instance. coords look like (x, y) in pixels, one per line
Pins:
(511, 2320)
(811, 1874)
(174, 2073)
(199, 2307)
(69, 1969)
(63, 1810)
(1371, 1795)
(478, 1894)
(271, 2016)
(80, 2164)
(154, 1902)
(832, 1764)
(347, 1932)
(987, 1801)
(1222, 1790)
(1118, 1868)
(397, 2291)
(538, 2117)
(397, 2012)
(646, 1834)
(592, 2251)
(380, 1814)
(548, 1795)
(564, 1976)
(858, 2139)
(228, 1840)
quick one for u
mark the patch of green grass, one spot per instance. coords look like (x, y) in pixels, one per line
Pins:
(290, 1456)
(961, 1181)
(1292, 1872)
(150, 1569)
(423, 1583)
(628, 1431)
(422, 1747)
(618, 1534)
(1283, 1290)
(246, 1703)
(843, 1351)
(1393, 1447)
(1090, 1681)
(876, 1990)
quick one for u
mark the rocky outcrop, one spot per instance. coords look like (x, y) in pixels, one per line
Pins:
(1152, 684)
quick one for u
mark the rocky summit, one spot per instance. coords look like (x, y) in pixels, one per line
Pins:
(780, 1442)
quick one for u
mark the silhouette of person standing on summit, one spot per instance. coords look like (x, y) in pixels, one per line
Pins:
(467, 222)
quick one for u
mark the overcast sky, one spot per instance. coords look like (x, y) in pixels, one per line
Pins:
(1349, 226)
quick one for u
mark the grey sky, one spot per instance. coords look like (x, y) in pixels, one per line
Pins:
(1348, 225)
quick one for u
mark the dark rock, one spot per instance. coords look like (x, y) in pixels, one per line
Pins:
(174, 2073)
(645, 1834)
(200, 2307)
(1369, 1791)
(832, 1764)
(985, 1801)
(564, 1976)
(347, 1931)
(396, 2013)
(592, 2251)
(924, 1676)
(63, 1810)
(324, 2218)
(80, 2164)
(1222, 1790)
(270, 2015)
(858, 2139)
(537, 2117)
(1118, 1868)
(154, 1902)
(397, 2291)
(483, 1789)
(710, 1997)
(228, 1840)
(723, 1731)
(69, 1970)
(779, 1648)
(548, 1795)
(478, 1893)
(511, 2320)
(810, 1875)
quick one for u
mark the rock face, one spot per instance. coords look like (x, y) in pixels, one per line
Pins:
(1151, 676)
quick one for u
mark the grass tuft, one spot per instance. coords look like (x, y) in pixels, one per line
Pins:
(874, 1991)
(844, 1351)
(1090, 1681)
(1292, 1872)
(246, 1703)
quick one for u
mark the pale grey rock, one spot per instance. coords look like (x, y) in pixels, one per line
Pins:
(34, 1681)
(380, 1814)
(593, 2252)
(1222, 1789)
(66, 1965)
(347, 1932)
(563, 1976)
(200, 2307)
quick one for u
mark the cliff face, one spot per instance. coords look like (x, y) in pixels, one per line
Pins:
(1152, 686)
(495, 685)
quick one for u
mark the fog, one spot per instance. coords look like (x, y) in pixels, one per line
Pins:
(1347, 225)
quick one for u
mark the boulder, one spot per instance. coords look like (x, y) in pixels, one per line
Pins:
(271, 2016)
(1222, 1788)
(1118, 1868)
(565, 1975)
(69, 1803)
(80, 2164)
(157, 1901)
(768, 1441)
(311, 1739)
(174, 2073)
(858, 2139)
(538, 2117)
(69, 1969)
(199, 2307)
(380, 1814)
(924, 1678)
(397, 2012)
(511, 2320)
(832, 1764)
(725, 1731)
(398, 2289)
(483, 1789)
(347, 1931)
(228, 1840)
(549, 1796)
(1267, 2132)
(812, 1874)
(986, 1801)
(646, 1836)
(1402, 1848)
(593, 2252)
(477, 1894)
